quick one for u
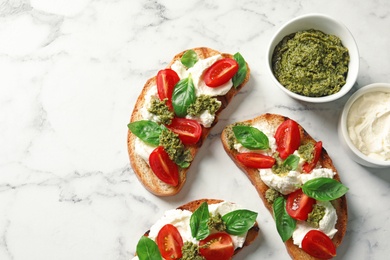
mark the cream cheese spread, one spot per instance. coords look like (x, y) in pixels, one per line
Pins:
(149, 96)
(368, 124)
(326, 224)
(181, 220)
(205, 118)
(197, 71)
(142, 149)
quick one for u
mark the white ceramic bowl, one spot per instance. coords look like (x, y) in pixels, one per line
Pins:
(327, 25)
(344, 137)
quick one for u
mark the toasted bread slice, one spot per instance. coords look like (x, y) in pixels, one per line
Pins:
(140, 167)
(193, 205)
(253, 174)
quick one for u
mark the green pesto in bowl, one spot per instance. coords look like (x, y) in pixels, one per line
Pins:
(311, 63)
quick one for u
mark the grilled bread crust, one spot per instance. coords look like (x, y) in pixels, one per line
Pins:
(140, 167)
(253, 174)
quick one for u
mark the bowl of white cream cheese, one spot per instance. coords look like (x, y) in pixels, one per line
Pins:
(364, 125)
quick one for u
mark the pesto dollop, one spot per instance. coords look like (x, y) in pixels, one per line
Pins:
(271, 195)
(175, 148)
(191, 252)
(316, 215)
(280, 167)
(306, 151)
(160, 109)
(311, 63)
(216, 223)
(203, 103)
(230, 137)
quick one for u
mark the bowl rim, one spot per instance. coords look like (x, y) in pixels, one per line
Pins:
(353, 66)
(373, 87)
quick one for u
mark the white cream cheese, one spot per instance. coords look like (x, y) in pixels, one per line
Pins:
(142, 149)
(291, 181)
(284, 184)
(205, 118)
(150, 95)
(316, 173)
(197, 72)
(326, 224)
(181, 220)
(368, 125)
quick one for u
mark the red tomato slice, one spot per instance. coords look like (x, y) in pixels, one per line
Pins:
(288, 138)
(318, 244)
(256, 160)
(189, 131)
(217, 246)
(220, 72)
(164, 168)
(166, 81)
(309, 166)
(299, 205)
(170, 242)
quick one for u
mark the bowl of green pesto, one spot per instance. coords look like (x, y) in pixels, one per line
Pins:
(314, 58)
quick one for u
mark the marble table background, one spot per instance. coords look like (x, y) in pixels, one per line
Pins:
(70, 73)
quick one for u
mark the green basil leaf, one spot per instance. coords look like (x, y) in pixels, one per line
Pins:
(324, 189)
(198, 222)
(189, 58)
(183, 96)
(146, 130)
(292, 162)
(147, 249)
(251, 137)
(239, 221)
(239, 77)
(285, 224)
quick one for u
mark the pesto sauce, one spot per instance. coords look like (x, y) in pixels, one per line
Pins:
(190, 252)
(203, 103)
(160, 109)
(311, 63)
(175, 148)
(316, 215)
(279, 167)
(306, 151)
(230, 137)
(271, 195)
(215, 223)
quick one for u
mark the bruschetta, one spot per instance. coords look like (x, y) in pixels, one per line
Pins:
(295, 178)
(208, 229)
(175, 112)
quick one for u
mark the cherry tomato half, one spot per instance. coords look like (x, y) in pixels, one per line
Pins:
(318, 244)
(299, 205)
(166, 81)
(256, 160)
(164, 168)
(288, 138)
(217, 246)
(309, 166)
(170, 242)
(189, 131)
(220, 72)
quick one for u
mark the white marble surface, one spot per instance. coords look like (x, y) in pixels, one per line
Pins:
(71, 71)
